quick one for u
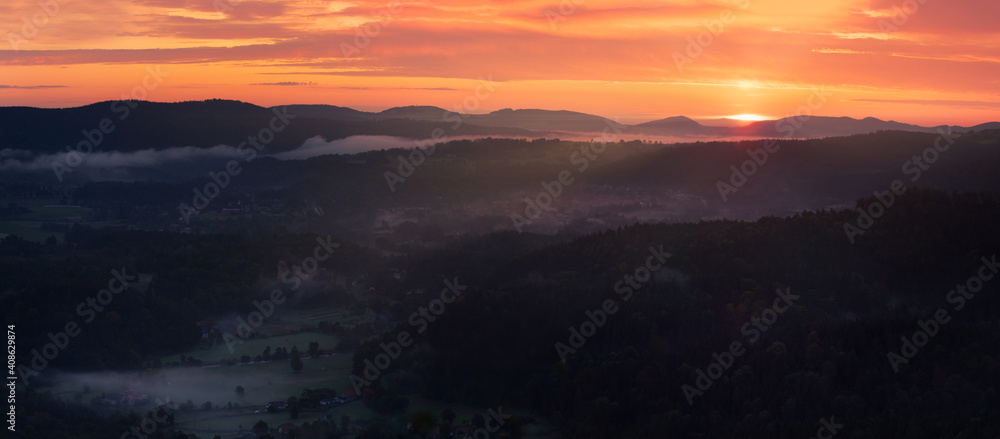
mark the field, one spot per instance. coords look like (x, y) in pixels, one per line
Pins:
(291, 319)
(28, 225)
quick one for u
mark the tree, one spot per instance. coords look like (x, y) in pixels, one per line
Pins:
(372, 432)
(293, 407)
(478, 420)
(313, 349)
(296, 361)
(448, 415)
(423, 422)
(240, 392)
(260, 428)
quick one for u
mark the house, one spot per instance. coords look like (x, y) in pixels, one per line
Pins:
(286, 427)
(132, 397)
(110, 398)
(349, 395)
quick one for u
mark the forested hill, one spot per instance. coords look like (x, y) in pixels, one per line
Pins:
(140, 125)
(825, 355)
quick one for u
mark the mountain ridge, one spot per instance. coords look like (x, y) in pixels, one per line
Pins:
(144, 124)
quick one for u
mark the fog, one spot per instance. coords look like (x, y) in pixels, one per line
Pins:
(182, 163)
(12, 160)
(317, 146)
(176, 385)
(175, 164)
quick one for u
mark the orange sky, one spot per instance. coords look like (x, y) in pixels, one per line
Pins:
(939, 63)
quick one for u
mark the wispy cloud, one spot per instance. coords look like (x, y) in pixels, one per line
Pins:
(285, 83)
(30, 87)
(841, 51)
(934, 102)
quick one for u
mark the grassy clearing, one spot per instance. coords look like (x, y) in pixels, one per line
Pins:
(344, 316)
(28, 225)
(275, 381)
(239, 418)
(30, 231)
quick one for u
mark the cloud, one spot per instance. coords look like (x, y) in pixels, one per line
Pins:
(317, 146)
(400, 88)
(31, 87)
(185, 162)
(934, 102)
(840, 51)
(285, 83)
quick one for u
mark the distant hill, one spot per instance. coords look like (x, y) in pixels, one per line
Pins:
(812, 127)
(821, 126)
(676, 126)
(141, 125)
(535, 120)
(544, 120)
(329, 112)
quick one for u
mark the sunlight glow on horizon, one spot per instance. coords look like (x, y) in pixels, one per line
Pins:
(609, 58)
(748, 117)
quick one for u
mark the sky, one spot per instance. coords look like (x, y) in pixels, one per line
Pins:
(928, 62)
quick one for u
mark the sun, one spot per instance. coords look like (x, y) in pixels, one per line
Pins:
(748, 117)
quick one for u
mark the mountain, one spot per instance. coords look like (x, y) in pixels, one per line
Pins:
(985, 126)
(415, 112)
(329, 112)
(821, 126)
(674, 126)
(534, 120)
(138, 125)
(798, 127)
(544, 120)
